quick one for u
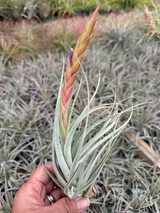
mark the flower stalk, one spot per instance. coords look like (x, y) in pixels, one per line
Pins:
(72, 70)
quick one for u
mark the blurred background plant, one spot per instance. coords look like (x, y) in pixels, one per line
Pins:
(41, 10)
(25, 39)
(153, 19)
(128, 4)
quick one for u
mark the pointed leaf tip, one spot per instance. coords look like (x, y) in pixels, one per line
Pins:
(97, 9)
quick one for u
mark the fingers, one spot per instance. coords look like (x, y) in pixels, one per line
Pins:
(50, 187)
(83, 204)
(56, 194)
(40, 175)
(66, 205)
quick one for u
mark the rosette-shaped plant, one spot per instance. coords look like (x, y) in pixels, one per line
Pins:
(80, 151)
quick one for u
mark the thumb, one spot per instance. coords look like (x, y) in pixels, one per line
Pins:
(66, 205)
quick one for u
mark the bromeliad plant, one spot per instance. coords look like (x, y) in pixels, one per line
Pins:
(80, 152)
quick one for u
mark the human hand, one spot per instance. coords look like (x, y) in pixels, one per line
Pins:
(32, 196)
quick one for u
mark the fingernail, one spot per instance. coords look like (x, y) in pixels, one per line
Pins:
(83, 204)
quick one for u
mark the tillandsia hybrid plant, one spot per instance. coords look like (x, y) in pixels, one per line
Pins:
(79, 152)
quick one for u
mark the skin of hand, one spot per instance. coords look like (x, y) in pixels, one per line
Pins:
(32, 196)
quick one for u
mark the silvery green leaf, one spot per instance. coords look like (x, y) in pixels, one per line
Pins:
(79, 159)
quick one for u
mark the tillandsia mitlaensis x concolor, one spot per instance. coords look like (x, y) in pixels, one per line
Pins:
(79, 154)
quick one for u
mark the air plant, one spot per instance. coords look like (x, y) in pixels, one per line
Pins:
(80, 148)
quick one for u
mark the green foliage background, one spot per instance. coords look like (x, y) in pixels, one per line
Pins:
(128, 62)
(44, 9)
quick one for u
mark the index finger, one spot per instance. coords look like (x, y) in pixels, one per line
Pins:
(41, 175)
